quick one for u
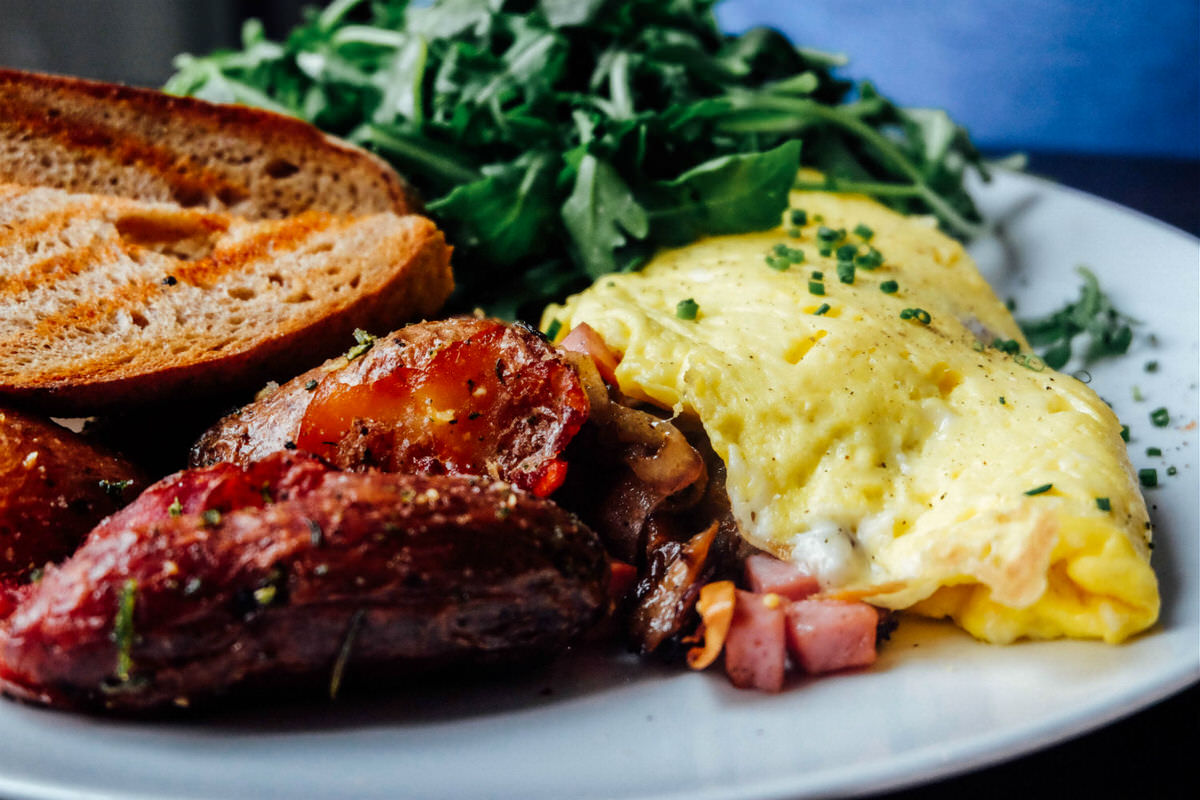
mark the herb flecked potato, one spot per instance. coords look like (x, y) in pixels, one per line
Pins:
(54, 486)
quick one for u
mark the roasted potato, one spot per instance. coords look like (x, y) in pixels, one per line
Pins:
(324, 575)
(54, 487)
(463, 396)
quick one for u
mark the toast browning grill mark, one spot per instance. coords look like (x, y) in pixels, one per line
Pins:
(44, 274)
(280, 237)
(19, 231)
(184, 235)
(188, 183)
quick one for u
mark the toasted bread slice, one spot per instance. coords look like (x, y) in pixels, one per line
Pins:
(100, 138)
(108, 302)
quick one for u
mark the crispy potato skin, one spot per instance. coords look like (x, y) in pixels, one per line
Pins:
(50, 491)
(463, 396)
(393, 571)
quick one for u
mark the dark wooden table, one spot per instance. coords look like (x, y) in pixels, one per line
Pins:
(1155, 754)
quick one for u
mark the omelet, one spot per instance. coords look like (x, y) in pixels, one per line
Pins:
(883, 423)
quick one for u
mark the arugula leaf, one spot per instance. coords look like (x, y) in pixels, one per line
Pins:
(506, 212)
(560, 13)
(729, 194)
(557, 140)
(599, 212)
(1109, 332)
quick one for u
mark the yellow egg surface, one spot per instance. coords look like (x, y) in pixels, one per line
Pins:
(869, 434)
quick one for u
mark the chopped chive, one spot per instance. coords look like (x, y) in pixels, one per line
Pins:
(1151, 366)
(1160, 417)
(1045, 487)
(1103, 504)
(310, 384)
(816, 287)
(1171, 470)
(687, 309)
(1153, 451)
(847, 252)
(365, 342)
(1002, 402)
(211, 517)
(176, 508)
(115, 489)
(863, 232)
(871, 259)
(845, 271)
(799, 217)
(778, 264)
(821, 309)
(830, 235)
(891, 287)
(817, 275)
(265, 595)
(1030, 362)
(795, 233)
(1137, 394)
(553, 329)
(1148, 477)
(826, 251)
(786, 255)
(1009, 346)
(122, 633)
(343, 656)
(919, 314)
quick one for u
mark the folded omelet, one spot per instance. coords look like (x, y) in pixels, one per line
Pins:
(885, 426)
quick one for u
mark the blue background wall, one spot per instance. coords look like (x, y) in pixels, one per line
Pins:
(1105, 76)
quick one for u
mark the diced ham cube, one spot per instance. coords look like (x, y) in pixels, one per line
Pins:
(826, 635)
(755, 649)
(767, 574)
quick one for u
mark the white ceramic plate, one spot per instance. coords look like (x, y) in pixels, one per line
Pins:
(602, 724)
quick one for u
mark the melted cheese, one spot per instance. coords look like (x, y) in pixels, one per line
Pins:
(883, 452)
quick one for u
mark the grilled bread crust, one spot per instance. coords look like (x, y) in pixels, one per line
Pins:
(101, 138)
(109, 302)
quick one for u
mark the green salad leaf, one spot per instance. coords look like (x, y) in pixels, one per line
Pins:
(599, 212)
(558, 140)
(1108, 331)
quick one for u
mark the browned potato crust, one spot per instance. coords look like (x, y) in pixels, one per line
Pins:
(54, 487)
